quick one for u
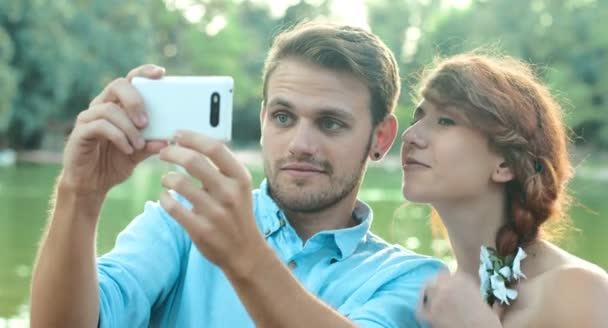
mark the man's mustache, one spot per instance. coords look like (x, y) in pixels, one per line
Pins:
(320, 164)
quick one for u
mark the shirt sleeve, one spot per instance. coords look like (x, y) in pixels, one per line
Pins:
(394, 303)
(141, 269)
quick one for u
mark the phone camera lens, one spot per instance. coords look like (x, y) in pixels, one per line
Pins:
(214, 114)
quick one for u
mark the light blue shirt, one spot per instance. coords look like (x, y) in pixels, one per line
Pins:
(155, 276)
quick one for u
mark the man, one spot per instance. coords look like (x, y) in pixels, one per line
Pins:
(299, 254)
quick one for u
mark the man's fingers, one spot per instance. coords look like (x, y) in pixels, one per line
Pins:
(154, 146)
(102, 129)
(150, 71)
(151, 148)
(196, 164)
(184, 186)
(115, 115)
(181, 214)
(217, 152)
(122, 91)
(203, 204)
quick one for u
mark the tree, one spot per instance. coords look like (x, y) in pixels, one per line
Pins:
(63, 52)
(563, 40)
(231, 38)
(7, 81)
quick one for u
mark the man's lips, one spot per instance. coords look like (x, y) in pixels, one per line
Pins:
(302, 167)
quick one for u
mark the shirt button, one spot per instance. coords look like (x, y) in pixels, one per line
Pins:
(267, 232)
(292, 264)
(282, 223)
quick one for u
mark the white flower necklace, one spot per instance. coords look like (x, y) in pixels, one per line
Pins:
(497, 273)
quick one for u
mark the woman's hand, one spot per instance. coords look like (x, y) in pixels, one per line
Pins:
(454, 300)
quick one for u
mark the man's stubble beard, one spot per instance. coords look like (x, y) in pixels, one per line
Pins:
(315, 201)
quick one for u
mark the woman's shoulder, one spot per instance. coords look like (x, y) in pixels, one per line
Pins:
(569, 269)
(575, 278)
(575, 291)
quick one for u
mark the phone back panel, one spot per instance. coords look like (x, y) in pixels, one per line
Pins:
(186, 102)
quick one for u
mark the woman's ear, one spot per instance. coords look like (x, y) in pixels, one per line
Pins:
(502, 173)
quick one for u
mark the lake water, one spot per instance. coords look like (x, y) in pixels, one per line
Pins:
(25, 192)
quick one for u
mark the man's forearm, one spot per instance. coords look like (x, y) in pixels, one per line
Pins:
(64, 283)
(274, 298)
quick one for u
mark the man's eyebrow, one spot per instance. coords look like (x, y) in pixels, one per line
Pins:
(278, 101)
(338, 113)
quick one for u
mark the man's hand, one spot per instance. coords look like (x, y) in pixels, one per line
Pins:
(454, 300)
(101, 152)
(221, 222)
(222, 225)
(106, 142)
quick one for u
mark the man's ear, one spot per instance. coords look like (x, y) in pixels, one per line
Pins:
(384, 136)
(502, 173)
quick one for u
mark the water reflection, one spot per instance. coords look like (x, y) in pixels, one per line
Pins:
(25, 190)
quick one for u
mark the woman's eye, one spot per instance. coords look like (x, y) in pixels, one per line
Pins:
(446, 121)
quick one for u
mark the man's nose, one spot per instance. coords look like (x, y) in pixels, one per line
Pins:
(304, 140)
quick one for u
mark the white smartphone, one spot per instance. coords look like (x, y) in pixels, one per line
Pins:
(199, 103)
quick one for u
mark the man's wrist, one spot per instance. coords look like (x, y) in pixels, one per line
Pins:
(85, 206)
(251, 263)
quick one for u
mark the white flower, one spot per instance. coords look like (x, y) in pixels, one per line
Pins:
(485, 267)
(517, 274)
(494, 280)
(484, 258)
(500, 290)
(505, 272)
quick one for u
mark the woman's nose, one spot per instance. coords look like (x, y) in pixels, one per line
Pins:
(414, 136)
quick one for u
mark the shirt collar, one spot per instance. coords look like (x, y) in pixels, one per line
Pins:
(347, 239)
(268, 213)
(271, 218)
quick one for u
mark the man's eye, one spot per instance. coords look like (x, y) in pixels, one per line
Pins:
(446, 121)
(282, 118)
(330, 124)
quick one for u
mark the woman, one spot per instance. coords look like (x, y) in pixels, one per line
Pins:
(487, 148)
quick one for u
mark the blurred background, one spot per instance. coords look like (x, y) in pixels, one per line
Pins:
(55, 56)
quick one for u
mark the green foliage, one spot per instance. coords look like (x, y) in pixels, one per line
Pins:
(7, 80)
(564, 40)
(55, 56)
(64, 51)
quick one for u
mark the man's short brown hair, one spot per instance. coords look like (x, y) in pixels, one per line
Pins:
(343, 49)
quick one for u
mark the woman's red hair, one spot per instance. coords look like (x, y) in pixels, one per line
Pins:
(503, 98)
